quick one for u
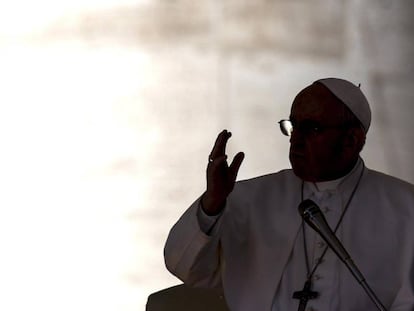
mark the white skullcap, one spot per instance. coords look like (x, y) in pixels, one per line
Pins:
(352, 96)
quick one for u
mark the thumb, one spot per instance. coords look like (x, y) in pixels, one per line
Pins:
(235, 165)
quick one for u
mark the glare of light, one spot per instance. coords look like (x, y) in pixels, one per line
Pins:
(24, 16)
(65, 238)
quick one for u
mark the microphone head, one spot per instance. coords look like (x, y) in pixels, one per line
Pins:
(308, 209)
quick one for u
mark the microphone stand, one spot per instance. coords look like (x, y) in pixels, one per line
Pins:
(315, 219)
(361, 280)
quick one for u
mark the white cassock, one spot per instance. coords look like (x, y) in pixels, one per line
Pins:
(256, 252)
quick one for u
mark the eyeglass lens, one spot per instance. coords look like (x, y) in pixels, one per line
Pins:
(286, 127)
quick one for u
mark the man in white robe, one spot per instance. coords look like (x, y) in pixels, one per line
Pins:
(249, 239)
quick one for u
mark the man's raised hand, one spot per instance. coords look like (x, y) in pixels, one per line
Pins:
(221, 177)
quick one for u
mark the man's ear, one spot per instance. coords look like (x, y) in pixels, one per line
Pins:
(355, 139)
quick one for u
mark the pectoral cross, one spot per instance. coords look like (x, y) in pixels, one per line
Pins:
(304, 295)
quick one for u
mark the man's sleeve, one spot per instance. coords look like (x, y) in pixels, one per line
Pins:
(190, 253)
(207, 223)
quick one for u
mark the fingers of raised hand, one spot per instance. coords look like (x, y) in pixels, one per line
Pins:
(217, 175)
(219, 148)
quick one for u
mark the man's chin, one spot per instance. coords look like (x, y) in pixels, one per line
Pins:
(303, 174)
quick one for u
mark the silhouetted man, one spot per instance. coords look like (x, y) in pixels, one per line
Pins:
(248, 238)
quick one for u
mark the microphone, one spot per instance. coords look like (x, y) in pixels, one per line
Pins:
(313, 216)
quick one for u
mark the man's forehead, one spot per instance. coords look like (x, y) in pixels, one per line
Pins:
(316, 101)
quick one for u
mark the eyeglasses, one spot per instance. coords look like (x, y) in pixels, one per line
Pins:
(286, 127)
(307, 127)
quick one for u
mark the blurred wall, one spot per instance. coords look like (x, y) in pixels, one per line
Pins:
(108, 111)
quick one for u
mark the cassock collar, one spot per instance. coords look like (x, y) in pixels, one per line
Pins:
(344, 185)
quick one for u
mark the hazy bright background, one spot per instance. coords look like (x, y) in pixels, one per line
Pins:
(109, 108)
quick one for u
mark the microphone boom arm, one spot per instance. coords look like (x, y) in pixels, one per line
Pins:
(313, 216)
